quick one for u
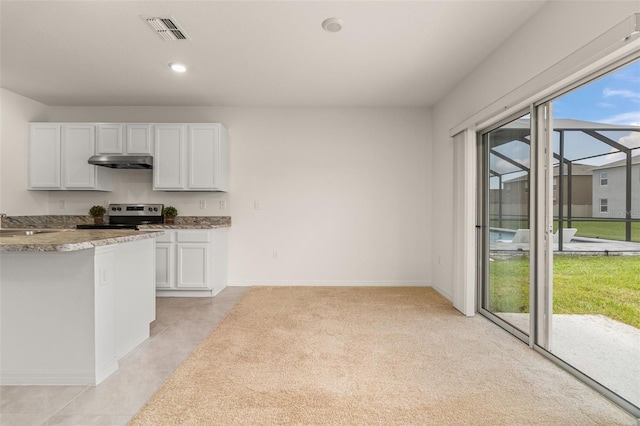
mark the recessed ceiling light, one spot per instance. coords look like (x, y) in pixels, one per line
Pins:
(332, 25)
(178, 67)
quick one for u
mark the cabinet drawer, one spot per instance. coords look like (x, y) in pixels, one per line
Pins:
(194, 236)
(167, 237)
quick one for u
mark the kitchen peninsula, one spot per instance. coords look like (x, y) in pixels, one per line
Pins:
(73, 302)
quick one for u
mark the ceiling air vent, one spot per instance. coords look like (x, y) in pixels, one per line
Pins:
(166, 27)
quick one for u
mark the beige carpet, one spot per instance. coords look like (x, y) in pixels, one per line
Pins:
(363, 356)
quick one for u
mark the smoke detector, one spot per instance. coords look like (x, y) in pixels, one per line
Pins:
(332, 25)
(166, 27)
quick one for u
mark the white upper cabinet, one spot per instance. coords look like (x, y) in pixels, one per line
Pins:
(138, 139)
(58, 158)
(110, 140)
(186, 156)
(45, 156)
(78, 142)
(131, 139)
(191, 157)
(168, 158)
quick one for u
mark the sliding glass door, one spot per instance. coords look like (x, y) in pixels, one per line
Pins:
(560, 242)
(506, 157)
(595, 244)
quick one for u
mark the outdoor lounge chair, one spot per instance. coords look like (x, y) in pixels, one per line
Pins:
(567, 235)
(521, 236)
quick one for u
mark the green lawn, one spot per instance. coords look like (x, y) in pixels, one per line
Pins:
(603, 285)
(604, 230)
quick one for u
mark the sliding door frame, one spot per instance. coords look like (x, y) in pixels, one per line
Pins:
(542, 289)
(541, 230)
(616, 47)
(541, 295)
(482, 225)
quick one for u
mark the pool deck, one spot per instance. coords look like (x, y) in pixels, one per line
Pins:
(604, 349)
(577, 245)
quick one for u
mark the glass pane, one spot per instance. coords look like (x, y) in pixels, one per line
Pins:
(506, 284)
(595, 323)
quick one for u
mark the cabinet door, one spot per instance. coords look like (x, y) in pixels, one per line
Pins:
(139, 139)
(168, 161)
(110, 139)
(165, 259)
(193, 266)
(78, 144)
(44, 156)
(204, 157)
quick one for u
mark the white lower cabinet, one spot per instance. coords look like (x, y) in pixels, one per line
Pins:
(193, 265)
(165, 260)
(191, 262)
(68, 318)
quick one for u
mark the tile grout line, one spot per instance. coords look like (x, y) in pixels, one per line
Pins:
(202, 316)
(86, 388)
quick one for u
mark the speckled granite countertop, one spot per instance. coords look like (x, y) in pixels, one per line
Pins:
(63, 240)
(194, 222)
(70, 222)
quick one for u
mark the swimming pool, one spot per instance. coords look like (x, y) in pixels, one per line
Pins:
(501, 234)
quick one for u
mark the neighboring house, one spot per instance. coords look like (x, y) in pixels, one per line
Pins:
(609, 189)
(581, 196)
(515, 192)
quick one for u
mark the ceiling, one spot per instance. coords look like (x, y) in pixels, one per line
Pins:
(240, 53)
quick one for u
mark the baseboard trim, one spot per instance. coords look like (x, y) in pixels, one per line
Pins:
(185, 293)
(326, 283)
(443, 293)
(84, 378)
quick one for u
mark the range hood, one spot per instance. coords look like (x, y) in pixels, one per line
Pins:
(123, 161)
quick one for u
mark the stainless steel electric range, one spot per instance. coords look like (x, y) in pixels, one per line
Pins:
(128, 216)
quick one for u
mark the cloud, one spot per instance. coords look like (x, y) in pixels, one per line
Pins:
(606, 105)
(632, 140)
(628, 94)
(627, 118)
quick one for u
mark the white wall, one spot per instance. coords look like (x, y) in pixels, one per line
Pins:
(15, 111)
(557, 30)
(345, 193)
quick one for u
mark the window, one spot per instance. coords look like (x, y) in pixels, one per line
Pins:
(604, 205)
(604, 178)
(555, 183)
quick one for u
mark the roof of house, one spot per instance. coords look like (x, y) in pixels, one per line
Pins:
(577, 169)
(620, 163)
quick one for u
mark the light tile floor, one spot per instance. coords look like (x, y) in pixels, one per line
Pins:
(181, 323)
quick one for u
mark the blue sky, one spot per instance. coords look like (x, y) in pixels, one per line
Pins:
(612, 99)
